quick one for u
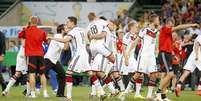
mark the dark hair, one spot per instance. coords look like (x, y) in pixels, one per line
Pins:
(73, 19)
(60, 28)
(103, 18)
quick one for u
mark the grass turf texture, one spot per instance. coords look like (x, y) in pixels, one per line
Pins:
(82, 94)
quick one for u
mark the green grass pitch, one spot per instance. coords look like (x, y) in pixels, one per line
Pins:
(82, 94)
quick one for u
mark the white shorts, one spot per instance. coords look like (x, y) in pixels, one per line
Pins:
(100, 48)
(146, 64)
(191, 64)
(131, 68)
(100, 64)
(79, 62)
(118, 64)
(21, 63)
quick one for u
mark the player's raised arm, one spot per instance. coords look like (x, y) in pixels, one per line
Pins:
(67, 38)
(184, 26)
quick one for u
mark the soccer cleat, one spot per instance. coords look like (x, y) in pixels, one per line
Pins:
(38, 91)
(32, 96)
(178, 90)
(67, 99)
(139, 97)
(4, 93)
(122, 96)
(158, 97)
(198, 92)
(45, 95)
(166, 99)
(103, 97)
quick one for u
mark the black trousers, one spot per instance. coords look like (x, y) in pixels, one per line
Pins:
(60, 75)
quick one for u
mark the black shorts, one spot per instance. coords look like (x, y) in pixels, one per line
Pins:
(36, 64)
(176, 68)
(165, 61)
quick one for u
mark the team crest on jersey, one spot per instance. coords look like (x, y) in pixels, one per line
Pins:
(150, 33)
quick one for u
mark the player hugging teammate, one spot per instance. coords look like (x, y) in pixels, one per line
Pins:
(94, 51)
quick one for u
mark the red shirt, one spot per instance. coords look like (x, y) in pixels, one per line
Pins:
(119, 45)
(34, 38)
(177, 52)
(165, 39)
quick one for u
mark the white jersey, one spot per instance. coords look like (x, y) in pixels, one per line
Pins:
(148, 40)
(54, 50)
(78, 42)
(198, 39)
(191, 64)
(96, 27)
(127, 39)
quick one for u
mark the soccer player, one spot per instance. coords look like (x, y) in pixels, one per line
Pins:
(76, 37)
(34, 38)
(98, 35)
(103, 67)
(193, 62)
(130, 62)
(21, 70)
(52, 58)
(165, 54)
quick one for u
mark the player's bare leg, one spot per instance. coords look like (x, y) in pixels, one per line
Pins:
(32, 84)
(180, 82)
(163, 85)
(44, 85)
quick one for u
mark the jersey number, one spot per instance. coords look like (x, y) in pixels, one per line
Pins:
(94, 29)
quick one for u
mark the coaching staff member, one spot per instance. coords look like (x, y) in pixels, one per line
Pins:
(165, 53)
(34, 38)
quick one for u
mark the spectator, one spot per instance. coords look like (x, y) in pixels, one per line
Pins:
(12, 46)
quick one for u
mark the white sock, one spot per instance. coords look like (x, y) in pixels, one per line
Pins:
(150, 90)
(130, 84)
(69, 86)
(28, 88)
(138, 88)
(199, 87)
(111, 87)
(99, 87)
(45, 92)
(10, 84)
(93, 89)
(33, 93)
(121, 85)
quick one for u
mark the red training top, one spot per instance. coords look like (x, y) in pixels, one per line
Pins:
(177, 52)
(165, 40)
(34, 40)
